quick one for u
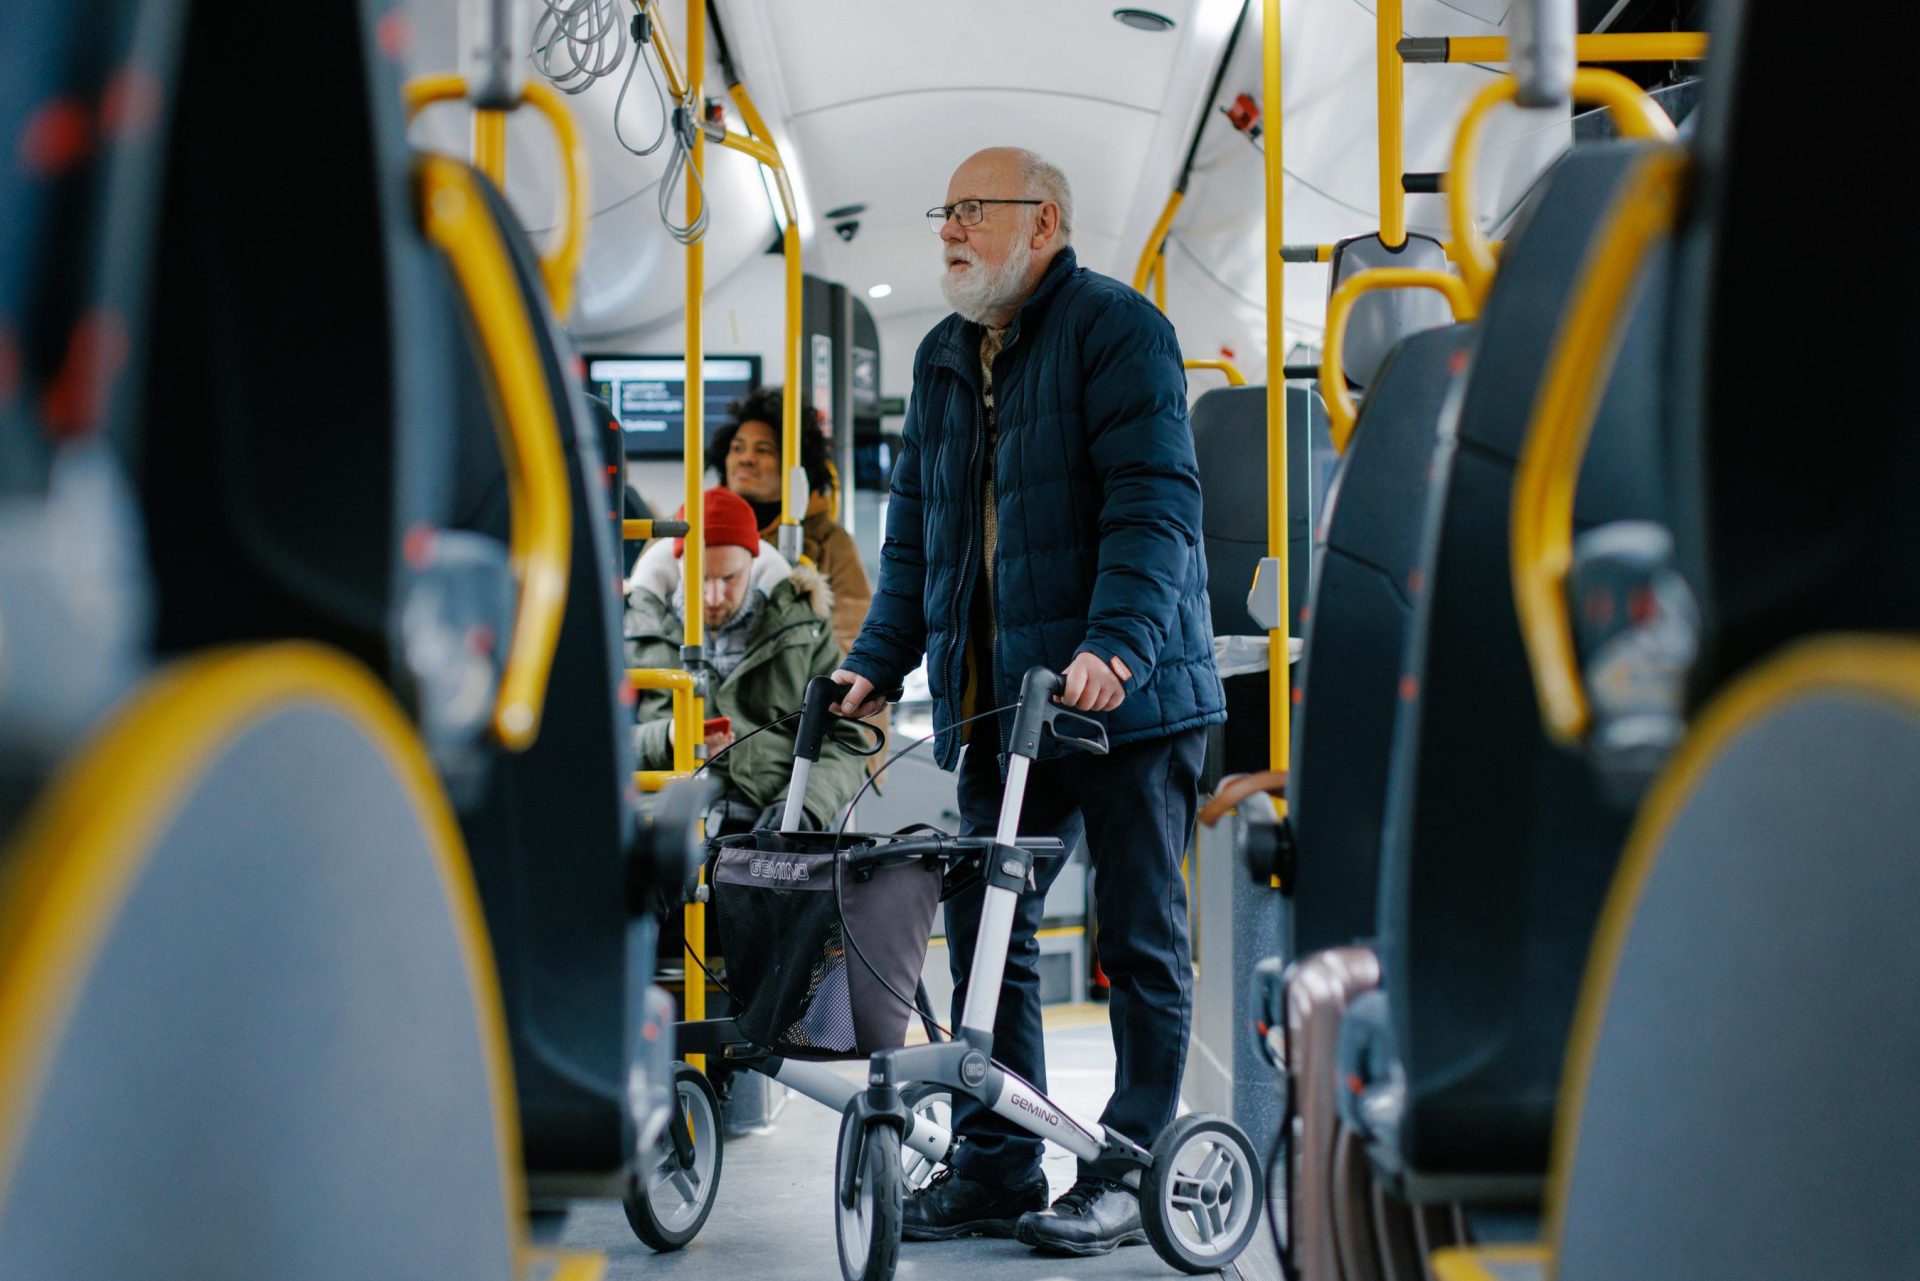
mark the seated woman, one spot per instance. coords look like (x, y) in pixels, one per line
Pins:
(767, 634)
(747, 457)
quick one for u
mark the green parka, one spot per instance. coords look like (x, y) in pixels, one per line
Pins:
(792, 643)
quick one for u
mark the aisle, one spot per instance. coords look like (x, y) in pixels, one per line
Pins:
(773, 1218)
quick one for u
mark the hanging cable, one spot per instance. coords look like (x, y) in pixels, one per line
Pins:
(680, 166)
(577, 42)
(642, 36)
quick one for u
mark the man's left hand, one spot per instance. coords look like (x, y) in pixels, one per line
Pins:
(1094, 684)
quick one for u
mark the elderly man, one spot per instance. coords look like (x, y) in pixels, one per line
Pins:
(1046, 510)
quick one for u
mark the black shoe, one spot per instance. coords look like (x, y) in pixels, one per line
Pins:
(1093, 1217)
(953, 1205)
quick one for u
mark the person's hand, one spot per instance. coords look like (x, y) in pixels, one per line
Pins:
(860, 701)
(1094, 684)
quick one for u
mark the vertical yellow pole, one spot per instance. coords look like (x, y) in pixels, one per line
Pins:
(490, 146)
(1388, 81)
(696, 452)
(1160, 282)
(1280, 703)
(790, 407)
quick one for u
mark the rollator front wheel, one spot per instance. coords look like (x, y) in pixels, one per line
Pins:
(866, 1225)
(933, 1102)
(671, 1193)
(1200, 1201)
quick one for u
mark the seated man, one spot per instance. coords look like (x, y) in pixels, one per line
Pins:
(768, 632)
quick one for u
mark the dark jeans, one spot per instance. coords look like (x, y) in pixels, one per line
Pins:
(1136, 807)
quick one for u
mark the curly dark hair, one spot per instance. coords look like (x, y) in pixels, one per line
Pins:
(763, 405)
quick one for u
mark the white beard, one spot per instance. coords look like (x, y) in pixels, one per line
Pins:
(983, 293)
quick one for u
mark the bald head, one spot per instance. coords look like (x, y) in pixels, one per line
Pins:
(1025, 217)
(1017, 171)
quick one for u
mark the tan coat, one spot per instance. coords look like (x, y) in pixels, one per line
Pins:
(831, 549)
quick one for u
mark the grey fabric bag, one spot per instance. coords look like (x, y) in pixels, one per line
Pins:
(799, 989)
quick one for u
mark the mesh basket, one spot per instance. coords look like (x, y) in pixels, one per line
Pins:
(800, 991)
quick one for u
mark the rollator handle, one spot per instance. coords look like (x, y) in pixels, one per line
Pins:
(940, 845)
(1038, 711)
(822, 693)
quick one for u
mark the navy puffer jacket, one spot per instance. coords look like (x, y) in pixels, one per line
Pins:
(1098, 505)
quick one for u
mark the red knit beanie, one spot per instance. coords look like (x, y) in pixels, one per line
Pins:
(730, 522)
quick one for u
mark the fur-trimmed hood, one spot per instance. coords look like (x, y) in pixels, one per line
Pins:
(658, 574)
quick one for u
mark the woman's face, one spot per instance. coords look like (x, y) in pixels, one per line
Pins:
(753, 462)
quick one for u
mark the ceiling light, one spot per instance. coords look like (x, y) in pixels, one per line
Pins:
(879, 291)
(773, 197)
(1144, 19)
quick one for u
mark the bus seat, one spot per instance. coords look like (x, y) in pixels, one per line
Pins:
(1381, 319)
(257, 1032)
(297, 389)
(1355, 630)
(1498, 845)
(1736, 1101)
(549, 835)
(1230, 446)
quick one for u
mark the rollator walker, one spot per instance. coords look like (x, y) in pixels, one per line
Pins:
(1200, 1184)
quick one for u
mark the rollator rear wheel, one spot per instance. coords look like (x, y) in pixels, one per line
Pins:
(1200, 1201)
(668, 1200)
(868, 1230)
(934, 1103)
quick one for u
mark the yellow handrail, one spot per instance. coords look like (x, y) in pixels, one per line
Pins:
(663, 45)
(639, 531)
(693, 413)
(1556, 442)
(560, 262)
(541, 513)
(1279, 684)
(1389, 75)
(1625, 46)
(1634, 113)
(1341, 411)
(1234, 377)
(762, 148)
(1156, 241)
(1160, 282)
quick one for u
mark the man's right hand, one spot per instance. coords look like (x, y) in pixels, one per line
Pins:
(861, 700)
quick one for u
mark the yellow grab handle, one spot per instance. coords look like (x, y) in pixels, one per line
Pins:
(540, 542)
(1156, 242)
(1556, 442)
(560, 262)
(1636, 115)
(686, 730)
(1234, 377)
(1341, 411)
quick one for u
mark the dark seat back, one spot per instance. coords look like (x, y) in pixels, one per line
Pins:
(549, 836)
(1356, 625)
(1498, 845)
(1230, 444)
(1760, 949)
(298, 386)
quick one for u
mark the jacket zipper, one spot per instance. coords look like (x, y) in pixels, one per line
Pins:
(993, 609)
(965, 593)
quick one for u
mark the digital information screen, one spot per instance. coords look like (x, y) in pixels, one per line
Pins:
(648, 395)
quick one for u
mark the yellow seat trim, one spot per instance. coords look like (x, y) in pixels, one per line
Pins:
(78, 853)
(1471, 1263)
(1883, 668)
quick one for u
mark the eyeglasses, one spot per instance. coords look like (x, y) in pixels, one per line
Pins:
(967, 213)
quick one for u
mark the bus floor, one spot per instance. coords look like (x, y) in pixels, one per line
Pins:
(774, 1218)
